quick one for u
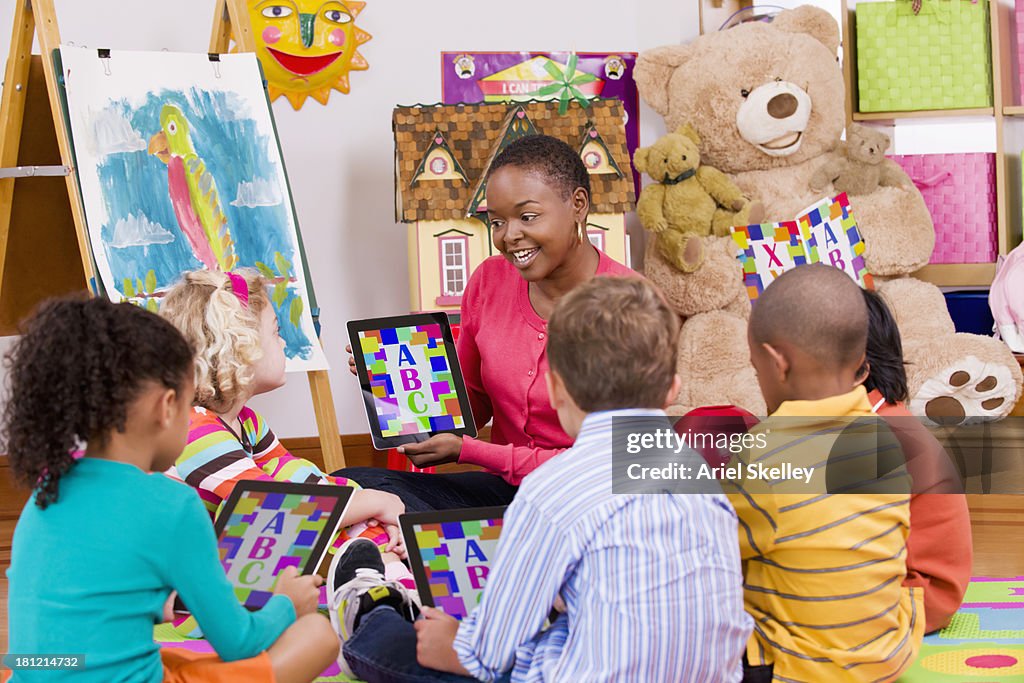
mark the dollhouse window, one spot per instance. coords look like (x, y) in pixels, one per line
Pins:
(596, 236)
(454, 265)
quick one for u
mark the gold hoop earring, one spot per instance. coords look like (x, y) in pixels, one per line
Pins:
(580, 235)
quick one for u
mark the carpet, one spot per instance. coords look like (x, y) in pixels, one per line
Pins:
(984, 642)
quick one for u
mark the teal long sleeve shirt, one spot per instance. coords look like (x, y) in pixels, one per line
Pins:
(90, 575)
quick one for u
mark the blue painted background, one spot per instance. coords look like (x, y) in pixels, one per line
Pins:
(234, 152)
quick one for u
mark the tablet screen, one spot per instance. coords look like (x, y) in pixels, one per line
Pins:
(411, 379)
(451, 553)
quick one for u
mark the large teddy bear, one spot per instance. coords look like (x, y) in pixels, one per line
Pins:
(767, 100)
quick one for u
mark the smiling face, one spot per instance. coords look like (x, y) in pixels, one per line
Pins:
(532, 224)
(307, 47)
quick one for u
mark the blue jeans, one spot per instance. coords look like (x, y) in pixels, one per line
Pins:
(423, 492)
(383, 650)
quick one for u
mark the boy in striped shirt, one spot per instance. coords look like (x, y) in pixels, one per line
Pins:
(823, 573)
(649, 585)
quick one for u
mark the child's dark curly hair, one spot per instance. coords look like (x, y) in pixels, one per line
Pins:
(72, 377)
(884, 354)
(553, 159)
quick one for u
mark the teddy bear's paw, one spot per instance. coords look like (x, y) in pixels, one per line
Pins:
(755, 213)
(968, 392)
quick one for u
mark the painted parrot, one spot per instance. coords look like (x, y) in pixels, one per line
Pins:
(193, 192)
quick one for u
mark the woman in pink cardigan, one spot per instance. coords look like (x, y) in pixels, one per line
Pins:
(538, 197)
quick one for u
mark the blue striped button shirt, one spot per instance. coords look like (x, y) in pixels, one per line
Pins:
(652, 583)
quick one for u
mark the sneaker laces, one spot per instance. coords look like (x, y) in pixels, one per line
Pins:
(348, 595)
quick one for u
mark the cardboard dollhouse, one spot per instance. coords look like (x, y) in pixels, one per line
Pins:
(442, 155)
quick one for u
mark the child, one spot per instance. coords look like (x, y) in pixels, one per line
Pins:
(939, 548)
(229, 320)
(103, 540)
(823, 573)
(651, 583)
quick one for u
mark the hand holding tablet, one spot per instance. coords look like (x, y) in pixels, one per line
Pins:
(410, 376)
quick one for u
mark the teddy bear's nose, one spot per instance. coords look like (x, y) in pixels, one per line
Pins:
(782, 106)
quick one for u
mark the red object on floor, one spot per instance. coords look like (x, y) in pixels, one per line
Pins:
(400, 463)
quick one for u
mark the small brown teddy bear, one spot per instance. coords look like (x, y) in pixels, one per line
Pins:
(688, 201)
(861, 166)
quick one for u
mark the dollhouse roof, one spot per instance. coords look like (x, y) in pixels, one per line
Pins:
(472, 132)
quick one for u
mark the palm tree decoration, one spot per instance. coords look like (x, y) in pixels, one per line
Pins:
(565, 84)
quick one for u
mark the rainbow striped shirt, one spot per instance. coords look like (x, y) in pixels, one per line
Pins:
(216, 457)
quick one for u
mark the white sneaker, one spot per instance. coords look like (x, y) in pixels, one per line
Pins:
(357, 585)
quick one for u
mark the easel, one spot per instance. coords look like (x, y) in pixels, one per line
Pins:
(38, 18)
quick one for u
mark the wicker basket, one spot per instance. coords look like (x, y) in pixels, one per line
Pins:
(938, 59)
(960, 192)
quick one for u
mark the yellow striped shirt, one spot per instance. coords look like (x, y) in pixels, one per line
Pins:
(823, 573)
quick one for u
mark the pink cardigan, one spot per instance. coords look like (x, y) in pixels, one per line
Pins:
(503, 355)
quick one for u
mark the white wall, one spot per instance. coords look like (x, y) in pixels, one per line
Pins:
(340, 156)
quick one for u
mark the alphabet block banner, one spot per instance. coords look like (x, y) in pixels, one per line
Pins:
(826, 232)
(268, 531)
(456, 558)
(411, 380)
(835, 239)
(766, 251)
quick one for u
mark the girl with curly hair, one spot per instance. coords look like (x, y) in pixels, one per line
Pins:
(99, 403)
(229, 320)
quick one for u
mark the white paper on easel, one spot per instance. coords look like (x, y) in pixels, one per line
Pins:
(180, 169)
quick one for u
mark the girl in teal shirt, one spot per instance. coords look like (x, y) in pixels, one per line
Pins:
(105, 538)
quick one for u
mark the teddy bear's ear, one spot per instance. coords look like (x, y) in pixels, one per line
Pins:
(640, 159)
(813, 21)
(653, 71)
(687, 131)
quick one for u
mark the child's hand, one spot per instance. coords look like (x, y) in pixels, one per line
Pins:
(303, 591)
(169, 607)
(437, 450)
(351, 359)
(435, 634)
(395, 542)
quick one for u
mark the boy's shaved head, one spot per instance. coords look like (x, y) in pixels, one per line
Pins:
(816, 308)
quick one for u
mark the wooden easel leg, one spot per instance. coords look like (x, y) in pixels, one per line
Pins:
(326, 420)
(220, 38)
(12, 113)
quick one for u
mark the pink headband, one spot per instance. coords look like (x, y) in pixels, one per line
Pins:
(240, 288)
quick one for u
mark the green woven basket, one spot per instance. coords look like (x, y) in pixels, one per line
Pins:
(939, 59)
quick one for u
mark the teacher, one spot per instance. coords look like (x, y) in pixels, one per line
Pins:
(538, 198)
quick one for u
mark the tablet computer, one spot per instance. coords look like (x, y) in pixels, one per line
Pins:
(411, 381)
(451, 553)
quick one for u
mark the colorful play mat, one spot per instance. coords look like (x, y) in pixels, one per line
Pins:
(984, 643)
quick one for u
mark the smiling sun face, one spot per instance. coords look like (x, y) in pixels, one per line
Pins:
(307, 47)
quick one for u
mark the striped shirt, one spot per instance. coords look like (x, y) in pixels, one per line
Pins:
(652, 583)
(217, 457)
(824, 573)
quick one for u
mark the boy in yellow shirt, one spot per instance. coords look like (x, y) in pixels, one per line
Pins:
(823, 571)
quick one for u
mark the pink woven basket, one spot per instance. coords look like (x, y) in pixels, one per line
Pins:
(959, 190)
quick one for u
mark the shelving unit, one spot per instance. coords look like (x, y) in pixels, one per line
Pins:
(1006, 108)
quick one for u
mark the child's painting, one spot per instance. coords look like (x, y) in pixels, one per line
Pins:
(179, 168)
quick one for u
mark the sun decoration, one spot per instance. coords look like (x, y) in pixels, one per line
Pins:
(307, 47)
